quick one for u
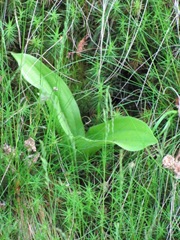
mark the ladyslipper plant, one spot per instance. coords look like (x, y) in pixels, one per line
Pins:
(128, 133)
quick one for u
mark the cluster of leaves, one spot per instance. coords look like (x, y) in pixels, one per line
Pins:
(127, 132)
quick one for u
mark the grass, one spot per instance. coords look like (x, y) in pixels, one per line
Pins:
(130, 64)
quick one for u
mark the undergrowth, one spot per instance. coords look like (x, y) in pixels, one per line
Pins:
(128, 62)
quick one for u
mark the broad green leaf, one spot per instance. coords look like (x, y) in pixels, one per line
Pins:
(59, 97)
(127, 132)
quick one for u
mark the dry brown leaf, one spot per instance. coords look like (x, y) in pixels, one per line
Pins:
(8, 149)
(168, 161)
(30, 144)
(81, 45)
(172, 163)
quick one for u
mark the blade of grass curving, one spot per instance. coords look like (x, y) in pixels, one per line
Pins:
(52, 87)
(127, 132)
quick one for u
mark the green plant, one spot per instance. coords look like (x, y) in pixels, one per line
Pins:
(127, 132)
(10, 33)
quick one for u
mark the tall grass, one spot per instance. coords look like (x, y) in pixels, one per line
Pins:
(130, 64)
